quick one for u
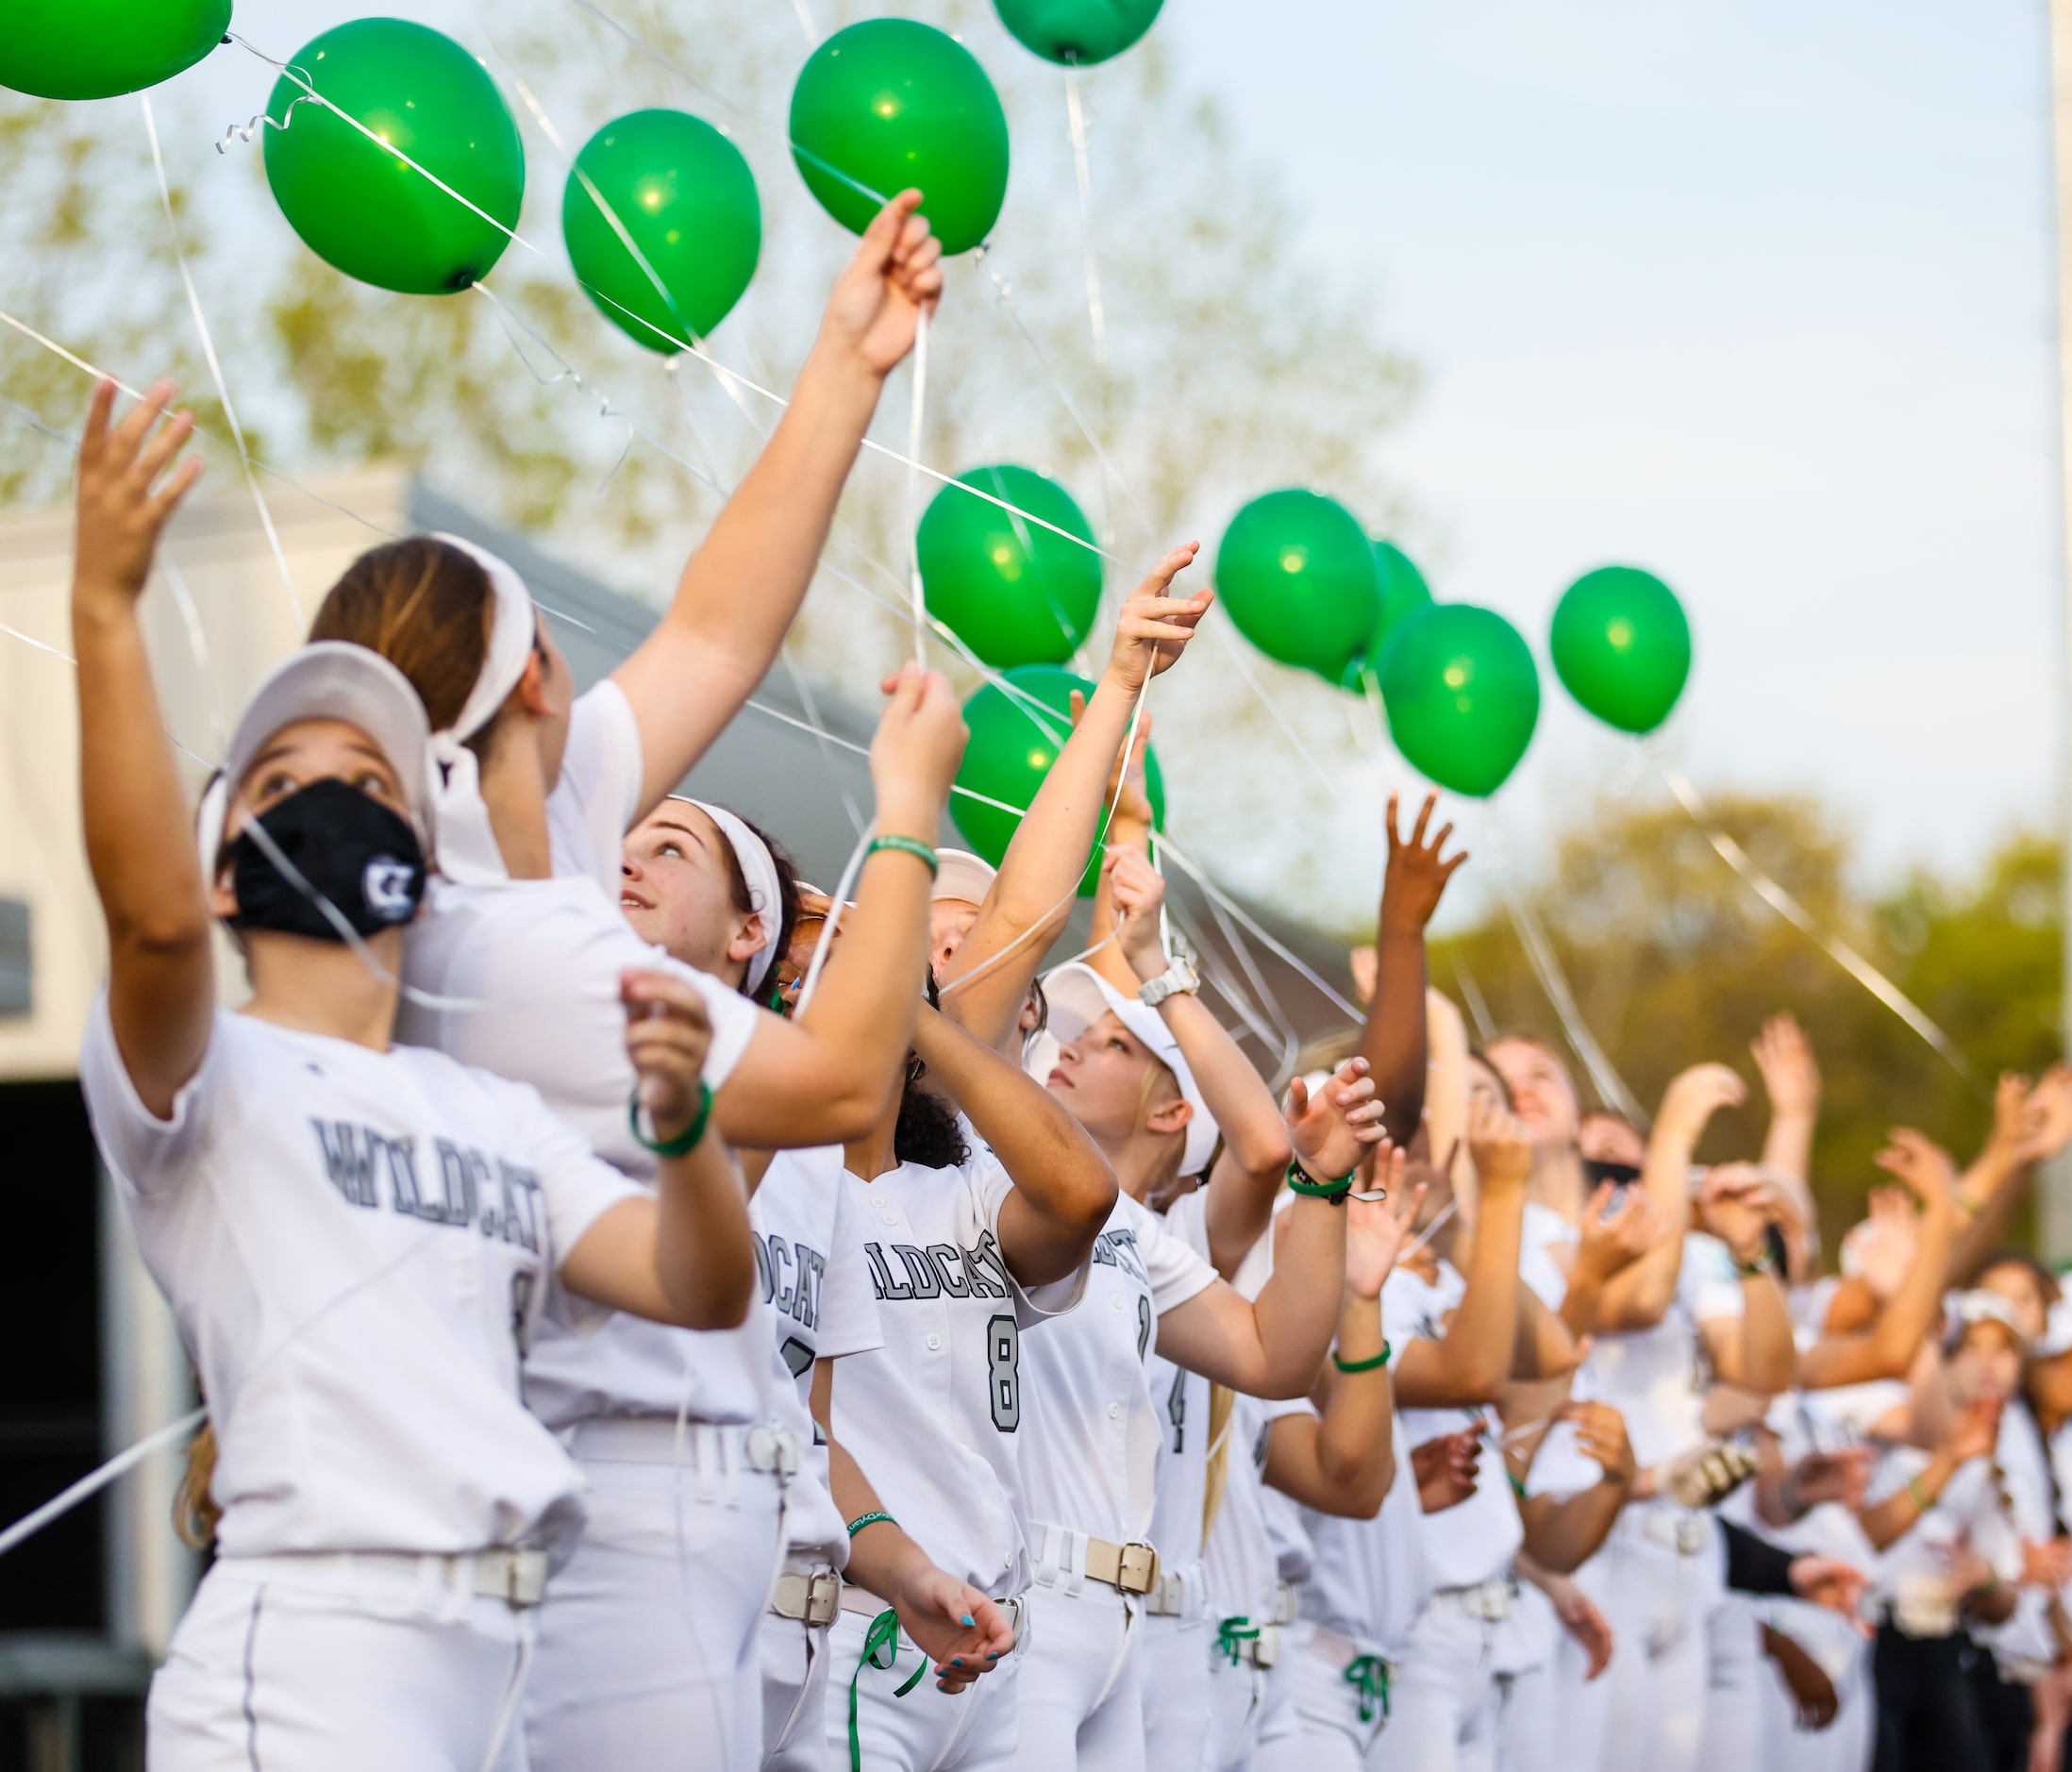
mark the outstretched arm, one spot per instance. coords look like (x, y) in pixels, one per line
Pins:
(744, 585)
(140, 846)
(1393, 1042)
(2029, 1125)
(1063, 1188)
(1791, 1079)
(1031, 896)
(1562, 1534)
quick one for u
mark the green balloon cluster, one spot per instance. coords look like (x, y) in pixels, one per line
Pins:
(686, 201)
(889, 104)
(1012, 591)
(1011, 751)
(1462, 695)
(1622, 646)
(361, 207)
(99, 48)
(1403, 592)
(1298, 577)
(1078, 32)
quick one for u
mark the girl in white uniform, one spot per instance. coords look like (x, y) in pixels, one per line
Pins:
(356, 1237)
(522, 940)
(706, 885)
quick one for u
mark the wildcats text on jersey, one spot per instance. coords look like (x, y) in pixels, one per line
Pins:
(473, 1189)
(942, 1269)
(792, 1272)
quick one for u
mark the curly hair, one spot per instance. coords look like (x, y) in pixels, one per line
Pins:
(927, 1132)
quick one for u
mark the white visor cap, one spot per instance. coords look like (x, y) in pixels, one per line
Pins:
(1078, 997)
(963, 877)
(328, 680)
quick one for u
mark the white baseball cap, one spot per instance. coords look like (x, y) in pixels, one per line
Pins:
(1078, 997)
(328, 680)
(1966, 1309)
(963, 877)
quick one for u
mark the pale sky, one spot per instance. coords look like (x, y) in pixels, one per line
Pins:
(1756, 294)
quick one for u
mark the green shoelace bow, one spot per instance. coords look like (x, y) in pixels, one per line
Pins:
(882, 1651)
(1369, 1674)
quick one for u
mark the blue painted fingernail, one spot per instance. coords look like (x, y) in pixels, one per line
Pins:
(957, 1660)
(992, 1655)
(968, 1621)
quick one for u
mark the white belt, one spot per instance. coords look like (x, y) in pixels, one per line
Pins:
(518, 1578)
(1179, 1594)
(1062, 1555)
(704, 1445)
(1282, 1606)
(1683, 1533)
(1490, 1601)
(1337, 1651)
(812, 1599)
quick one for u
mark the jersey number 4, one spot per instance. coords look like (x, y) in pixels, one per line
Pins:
(1004, 1372)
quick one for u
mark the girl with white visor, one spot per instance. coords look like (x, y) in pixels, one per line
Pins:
(705, 884)
(522, 939)
(355, 1236)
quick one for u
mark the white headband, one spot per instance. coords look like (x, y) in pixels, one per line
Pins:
(467, 846)
(765, 897)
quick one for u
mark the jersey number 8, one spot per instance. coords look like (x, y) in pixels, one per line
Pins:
(1004, 1371)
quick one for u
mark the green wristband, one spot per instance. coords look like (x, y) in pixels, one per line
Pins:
(1344, 1365)
(1299, 1183)
(922, 852)
(1921, 1503)
(686, 1140)
(863, 1520)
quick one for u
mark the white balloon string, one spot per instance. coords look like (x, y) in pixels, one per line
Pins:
(94, 1481)
(1789, 908)
(1236, 647)
(915, 416)
(1429, 1231)
(1218, 897)
(844, 887)
(1075, 121)
(1471, 993)
(215, 366)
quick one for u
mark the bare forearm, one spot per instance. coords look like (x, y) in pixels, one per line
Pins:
(1890, 1519)
(1993, 1189)
(1298, 1308)
(1768, 1352)
(1561, 1536)
(1788, 1144)
(1542, 1347)
(704, 1246)
(1393, 1040)
(1355, 1446)
(1469, 1363)
(862, 1010)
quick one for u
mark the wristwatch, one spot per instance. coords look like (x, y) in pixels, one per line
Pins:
(1180, 978)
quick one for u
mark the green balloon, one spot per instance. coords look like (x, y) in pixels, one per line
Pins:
(1079, 32)
(98, 48)
(1462, 695)
(685, 194)
(1622, 646)
(360, 207)
(1012, 591)
(889, 104)
(1297, 575)
(1403, 592)
(1009, 752)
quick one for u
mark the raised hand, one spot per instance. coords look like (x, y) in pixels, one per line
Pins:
(1619, 1226)
(1736, 1205)
(1695, 1095)
(1376, 1230)
(120, 512)
(1333, 1129)
(1154, 625)
(1830, 1477)
(914, 753)
(667, 1036)
(1138, 892)
(1918, 1164)
(1791, 1074)
(1416, 875)
(894, 273)
(1445, 1469)
(1601, 1436)
(2046, 1125)
(1499, 1146)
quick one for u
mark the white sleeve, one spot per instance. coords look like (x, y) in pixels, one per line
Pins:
(1708, 1284)
(576, 1187)
(145, 1153)
(734, 1020)
(990, 1185)
(1410, 1311)
(849, 1322)
(594, 802)
(1176, 1272)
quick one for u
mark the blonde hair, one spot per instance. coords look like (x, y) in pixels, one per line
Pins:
(194, 1510)
(1171, 1156)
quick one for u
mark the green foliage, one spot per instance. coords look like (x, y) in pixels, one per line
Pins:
(1675, 960)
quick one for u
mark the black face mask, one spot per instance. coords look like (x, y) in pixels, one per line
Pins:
(1596, 1172)
(362, 856)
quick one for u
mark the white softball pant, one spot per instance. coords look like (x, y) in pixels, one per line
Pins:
(1331, 1734)
(338, 1663)
(1237, 1705)
(650, 1638)
(927, 1729)
(1081, 1699)
(1175, 1655)
(1658, 1599)
(794, 1690)
(1444, 1712)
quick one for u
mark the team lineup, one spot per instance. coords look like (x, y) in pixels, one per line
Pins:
(654, 1312)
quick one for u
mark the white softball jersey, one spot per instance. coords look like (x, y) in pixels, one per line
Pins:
(531, 969)
(1656, 1378)
(1091, 1466)
(1968, 1510)
(1367, 1579)
(357, 1245)
(1180, 1399)
(1473, 1542)
(2024, 1465)
(936, 1415)
(1545, 1245)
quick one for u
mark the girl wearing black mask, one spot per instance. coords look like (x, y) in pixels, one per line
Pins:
(355, 1236)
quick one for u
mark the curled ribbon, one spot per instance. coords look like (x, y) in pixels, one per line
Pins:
(1369, 1674)
(881, 1650)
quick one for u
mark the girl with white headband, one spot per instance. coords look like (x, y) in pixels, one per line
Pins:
(356, 1237)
